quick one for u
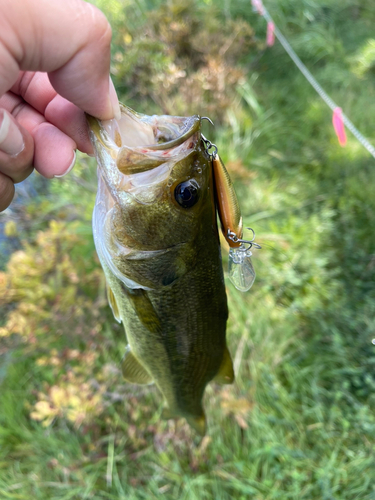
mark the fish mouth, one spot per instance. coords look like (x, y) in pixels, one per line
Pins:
(140, 143)
(158, 132)
(135, 155)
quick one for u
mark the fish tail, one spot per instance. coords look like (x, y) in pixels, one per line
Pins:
(198, 423)
(167, 413)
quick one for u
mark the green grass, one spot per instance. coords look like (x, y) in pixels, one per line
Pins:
(299, 422)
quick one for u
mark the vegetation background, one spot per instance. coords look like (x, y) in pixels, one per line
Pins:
(299, 422)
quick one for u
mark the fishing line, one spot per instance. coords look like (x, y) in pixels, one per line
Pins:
(339, 118)
(337, 113)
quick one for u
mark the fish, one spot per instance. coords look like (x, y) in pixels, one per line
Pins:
(156, 234)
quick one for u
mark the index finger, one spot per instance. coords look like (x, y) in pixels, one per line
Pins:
(70, 40)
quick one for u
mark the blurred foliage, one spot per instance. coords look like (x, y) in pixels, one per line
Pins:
(181, 57)
(364, 60)
(299, 422)
(43, 290)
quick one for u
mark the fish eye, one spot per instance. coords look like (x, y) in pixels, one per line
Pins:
(187, 193)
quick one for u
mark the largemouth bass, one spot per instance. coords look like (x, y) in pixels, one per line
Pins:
(157, 238)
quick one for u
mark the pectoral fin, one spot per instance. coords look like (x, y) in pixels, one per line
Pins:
(144, 309)
(225, 375)
(133, 371)
(113, 304)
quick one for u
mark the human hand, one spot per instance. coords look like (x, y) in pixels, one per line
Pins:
(54, 66)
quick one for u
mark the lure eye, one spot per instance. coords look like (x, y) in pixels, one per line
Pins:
(187, 193)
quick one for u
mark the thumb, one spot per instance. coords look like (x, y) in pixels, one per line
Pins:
(68, 39)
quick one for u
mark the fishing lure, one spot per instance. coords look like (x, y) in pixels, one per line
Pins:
(240, 268)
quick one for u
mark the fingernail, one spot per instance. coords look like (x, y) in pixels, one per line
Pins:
(69, 168)
(114, 100)
(11, 140)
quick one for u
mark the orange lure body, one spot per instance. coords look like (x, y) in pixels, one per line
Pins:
(227, 203)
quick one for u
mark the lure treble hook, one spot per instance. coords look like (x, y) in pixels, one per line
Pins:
(250, 243)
